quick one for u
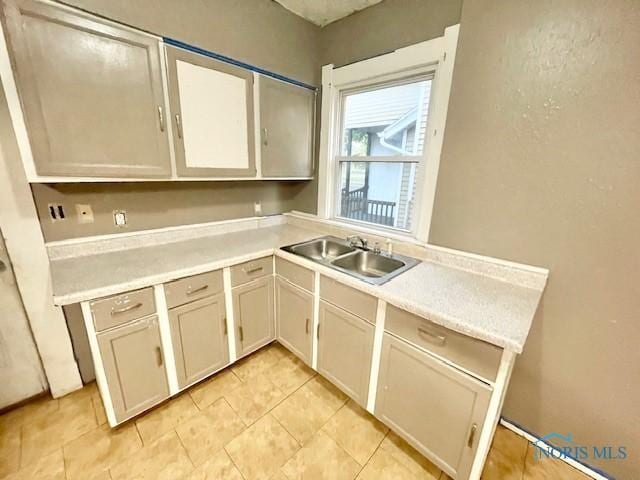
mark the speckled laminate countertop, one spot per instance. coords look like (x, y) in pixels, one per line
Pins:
(472, 303)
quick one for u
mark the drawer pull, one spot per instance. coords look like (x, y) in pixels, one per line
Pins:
(253, 270)
(306, 326)
(241, 333)
(159, 356)
(178, 125)
(128, 308)
(432, 337)
(224, 322)
(161, 117)
(472, 435)
(197, 290)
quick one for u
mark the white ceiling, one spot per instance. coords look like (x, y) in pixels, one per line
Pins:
(322, 12)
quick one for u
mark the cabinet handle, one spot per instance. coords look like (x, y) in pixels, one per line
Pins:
(159, 356)
(224, 322)
(161, 117)
(265, 136)
(306, 326)
(318, 334)
(472, 435)
(253, 270)
(241, 332)
(128, 308)
(178, 125)
(197, 290)
(432, 337)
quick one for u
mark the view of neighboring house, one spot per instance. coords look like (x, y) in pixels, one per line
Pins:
(382, 123)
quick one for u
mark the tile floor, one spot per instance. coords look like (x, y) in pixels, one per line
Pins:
(269, 416)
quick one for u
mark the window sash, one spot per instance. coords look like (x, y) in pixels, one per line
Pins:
(381, 159)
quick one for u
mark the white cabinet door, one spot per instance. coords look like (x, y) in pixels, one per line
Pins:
(212, 108)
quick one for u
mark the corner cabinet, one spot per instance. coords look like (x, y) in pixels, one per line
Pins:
(91, 93)
(213, 116)
(294, 307)
(438, 409)
(286, 129)
(134, 368)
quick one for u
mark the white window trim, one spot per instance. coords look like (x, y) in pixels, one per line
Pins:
(437, 56)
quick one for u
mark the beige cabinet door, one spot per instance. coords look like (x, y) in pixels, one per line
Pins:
(134, 366)
(345, 343)
(294, 314)
(286, 128)
(213, 119)
(436, 408)
(198, 333)
(253, 315)
(91, 93)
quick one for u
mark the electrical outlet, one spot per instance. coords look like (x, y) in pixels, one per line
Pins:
(257, 209)
(84, 213)
(120, 218)
(56, 212)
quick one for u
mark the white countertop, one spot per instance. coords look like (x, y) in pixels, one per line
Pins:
(472, 303)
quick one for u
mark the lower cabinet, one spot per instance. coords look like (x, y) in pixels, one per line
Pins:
(253, 315)
(436, 408)
(294, 319)
(199, 337)
(134, 366)
(345, 343)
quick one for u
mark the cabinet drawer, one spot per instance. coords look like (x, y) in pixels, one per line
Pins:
(245, 272)
(350, 299)
(113, 311)
(475, 355)
(188, 289)
(296, 274)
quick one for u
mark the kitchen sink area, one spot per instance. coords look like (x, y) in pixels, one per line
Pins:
(368, 265)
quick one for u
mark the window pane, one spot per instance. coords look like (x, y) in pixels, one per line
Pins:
(378, 192)
(387, 121)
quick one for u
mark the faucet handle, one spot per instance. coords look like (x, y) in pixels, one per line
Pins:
(376, 248)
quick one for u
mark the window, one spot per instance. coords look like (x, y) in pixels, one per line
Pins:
(381, 135)
(382, 145)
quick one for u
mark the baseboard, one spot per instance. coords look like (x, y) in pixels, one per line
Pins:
(532, 438)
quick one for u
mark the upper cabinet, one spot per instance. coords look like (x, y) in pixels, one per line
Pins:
(213, 119)
(91, 93)
(286, 129)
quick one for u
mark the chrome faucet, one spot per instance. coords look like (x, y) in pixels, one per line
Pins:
(354, 239)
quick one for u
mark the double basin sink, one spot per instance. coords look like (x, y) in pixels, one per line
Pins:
(367, 265)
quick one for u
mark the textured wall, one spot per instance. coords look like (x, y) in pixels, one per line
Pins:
(541, 165)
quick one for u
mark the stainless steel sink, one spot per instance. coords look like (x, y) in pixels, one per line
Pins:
(321, 249)
(338, 254)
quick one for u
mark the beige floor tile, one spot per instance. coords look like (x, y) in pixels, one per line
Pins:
(99, 450)
(164, 459)
(218, 467)
(256, 363)
(253, 398)
(165, 418)
(309, 408)
(513, 446)
(262, 449)
(208, 392)
(78, 395)
(10, 445)
(409, 457)
(48, 467)
(289, 374)
(384, 466)
(356, 431)
(281, 351)
(31, 412)
(50, 432)
(207, 432)
(98, 407)
(321, 458)
(549, 468)
(499, 466)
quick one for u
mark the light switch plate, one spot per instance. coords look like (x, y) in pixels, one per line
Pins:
(84, 213)
(120, 218)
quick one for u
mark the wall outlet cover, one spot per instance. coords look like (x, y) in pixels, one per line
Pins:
(84, 213)
(257, 209)
(119, 218)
